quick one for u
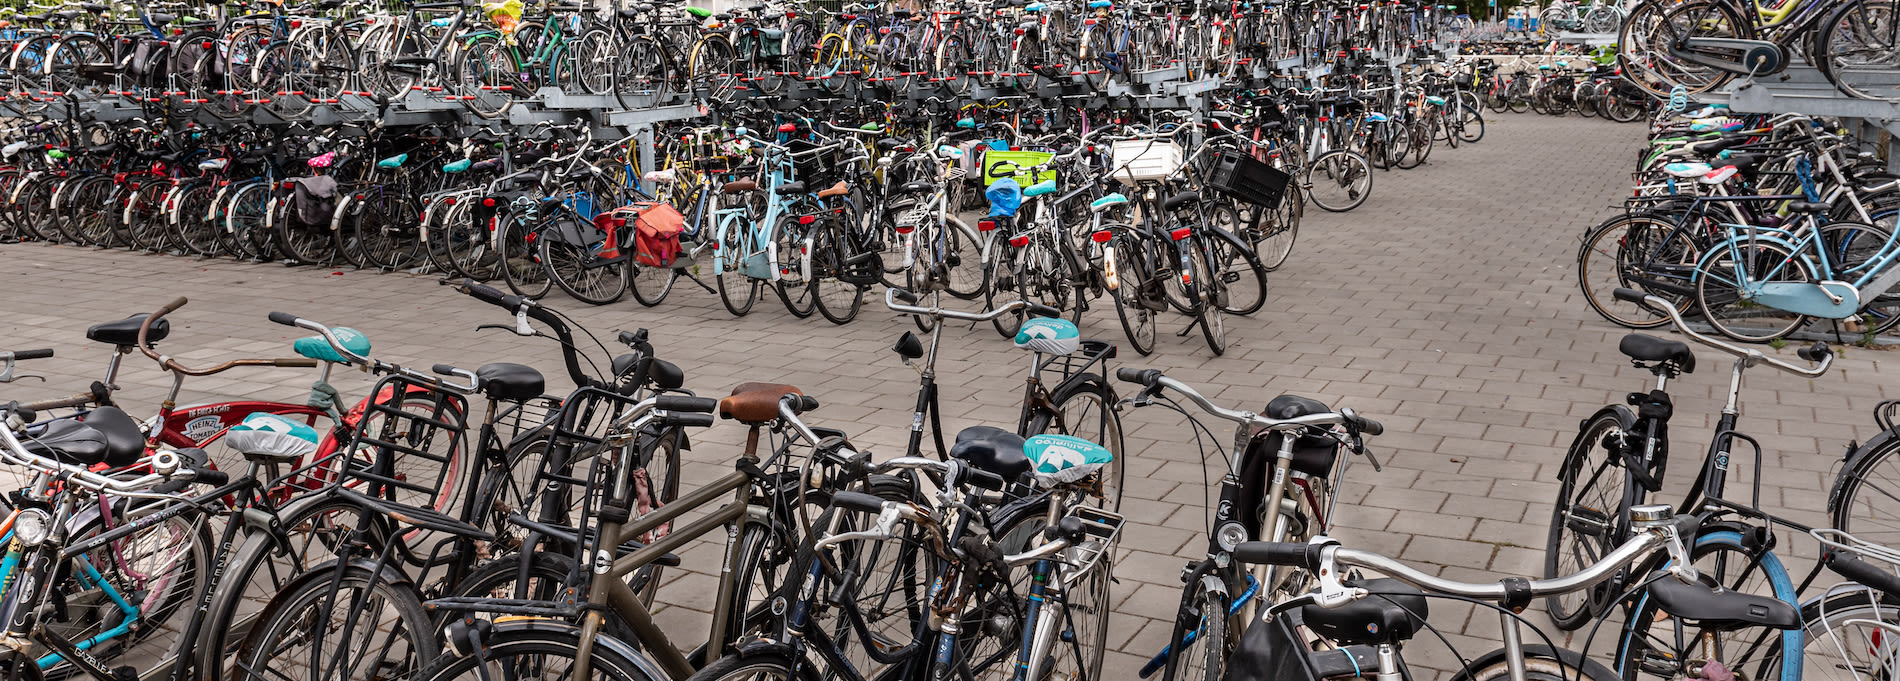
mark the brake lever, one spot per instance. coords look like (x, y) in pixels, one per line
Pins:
(7, 375)
(521, 322)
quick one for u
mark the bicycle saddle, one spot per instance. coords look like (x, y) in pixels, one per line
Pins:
(1807, 207)
(1312, 455)
(792, 188)
(315, 347)
(1065, 458)
(68, 441)
(1185, 199)
(1719, 609)
(125, 332)
(214, 163)
(839, 189)
(1040, 188)
(1652, 349)
(1049, 335)
(1107, 202)
(393, 161)
(1394, 615)
(740, 186)
(125, 443)
(755, 403)
(457, 166)
(510, 382)
(918, 187)
(992, 449)
(270, 438)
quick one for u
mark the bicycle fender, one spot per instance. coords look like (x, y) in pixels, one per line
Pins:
(1625, 419)
(1853, 460)
(1592, 669)
(336, 216)
(640, 659)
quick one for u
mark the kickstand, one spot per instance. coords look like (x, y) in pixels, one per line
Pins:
(702, 284)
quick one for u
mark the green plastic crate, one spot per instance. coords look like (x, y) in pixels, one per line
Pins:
(1023, 161)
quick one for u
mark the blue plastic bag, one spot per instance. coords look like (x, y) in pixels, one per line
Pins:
(1005, 197)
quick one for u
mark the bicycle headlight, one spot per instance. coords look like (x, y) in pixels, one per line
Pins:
(32, 526)
(1230, 535)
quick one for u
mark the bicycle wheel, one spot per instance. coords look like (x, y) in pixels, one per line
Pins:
(390, 231)
(487, 75)
(466, 244)
(1592, 486)
(1204, 649)
(1851, 248)
(1720, 278)
(1004, 269)
(1209, 295)
(962, 251)
(158, 571)
(1845, 639)
(1340, 180)
(301, 243)
(325, 623)
(1541, 663)
(1636, 251)
(1469, 124)
(770, 664)
(520, 262)
(1243, 278)
(838, 299)
(650, 285)
(1086, 409)
(794, 262)
(570, 254)
(1132, 279)
(1279, 227)
(537, 650)
(1863, 502)
(1656, 645)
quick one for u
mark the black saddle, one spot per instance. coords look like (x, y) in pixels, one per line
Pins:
(510, 382)
(792, 188)
(1376, 619)
(991, 449)
(104, 435)
(888, 143)
(1184, 199)
(1721, 609)
(1312, 455)
(93, 7)
(1814, 207)
(1652, 349)
(125, 332)
(919, 187)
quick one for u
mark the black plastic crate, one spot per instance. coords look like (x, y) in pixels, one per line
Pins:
(1247, 179)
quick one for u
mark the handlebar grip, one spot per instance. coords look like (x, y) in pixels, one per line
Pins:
(801, 403)
(26, 415)
(1146, 377)
(482, 292)
(284, 318)
(171, 306)
(978, 477)
(1629, 295)
(1289, 553)
(691, 420)
(208, 477)
(906, 297)
(41, 353)
(1812, 353)
(1852, 567)
(444, 369)
(857, 501)
(294, 362)
(1041, 310)
(1368, 426)
(686, 404)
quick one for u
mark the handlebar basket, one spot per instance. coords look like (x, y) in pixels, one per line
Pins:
(1023, 160)
(1138, 160)
(1247, 179)
(815, 169)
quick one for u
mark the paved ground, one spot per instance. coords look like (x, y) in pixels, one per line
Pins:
(1445, 307)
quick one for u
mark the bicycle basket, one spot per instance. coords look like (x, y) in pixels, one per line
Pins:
(1022, 160)
(1144, 159)
(1247, 179)
(815, 169)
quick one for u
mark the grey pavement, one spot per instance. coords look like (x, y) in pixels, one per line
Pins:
(1445, 307)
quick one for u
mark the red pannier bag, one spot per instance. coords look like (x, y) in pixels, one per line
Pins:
(656, 239)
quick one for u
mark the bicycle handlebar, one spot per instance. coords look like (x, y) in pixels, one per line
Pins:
(379, 366)
(167, 363)
(1154, 381)
(891, 296)
(1819, 352)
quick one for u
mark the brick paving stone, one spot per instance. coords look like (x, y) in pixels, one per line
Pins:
(1445, 305)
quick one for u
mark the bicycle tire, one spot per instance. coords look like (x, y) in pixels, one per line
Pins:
(838, 300)
(1718, 285)
(1632, 644)
(1342, 169)
(486, 74)
(1208, 296)
(1625, 252)
(1086, 409)
(1133, 277)
(527, 649)
(1832, 654)
(401, 617)
(1205, 657)
(1856, 504)
(159, 624)
(1541, 663)
(574, 266)
(767, 664)
(1584, 521)
(794, 258)
(651, 285)
(518, 259)
(1246, 293)
(1470, 125)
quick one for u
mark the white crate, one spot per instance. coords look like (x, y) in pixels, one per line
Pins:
(1144, 159)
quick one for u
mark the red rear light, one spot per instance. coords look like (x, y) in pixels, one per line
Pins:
(1019, 241)
(986, 225)
(791, 15)
(1101, 237)
(296, 23)
(449, 201)
(488, 203)
(205, 45)
(788, 127)
(1181, 233)
(357, 197)
(905, 229)
(224, 183)
(807, 219)
(290, 185)
(1020, 31)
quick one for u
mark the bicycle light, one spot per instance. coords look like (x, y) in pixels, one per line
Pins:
(32, 526)
(1230, 535)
